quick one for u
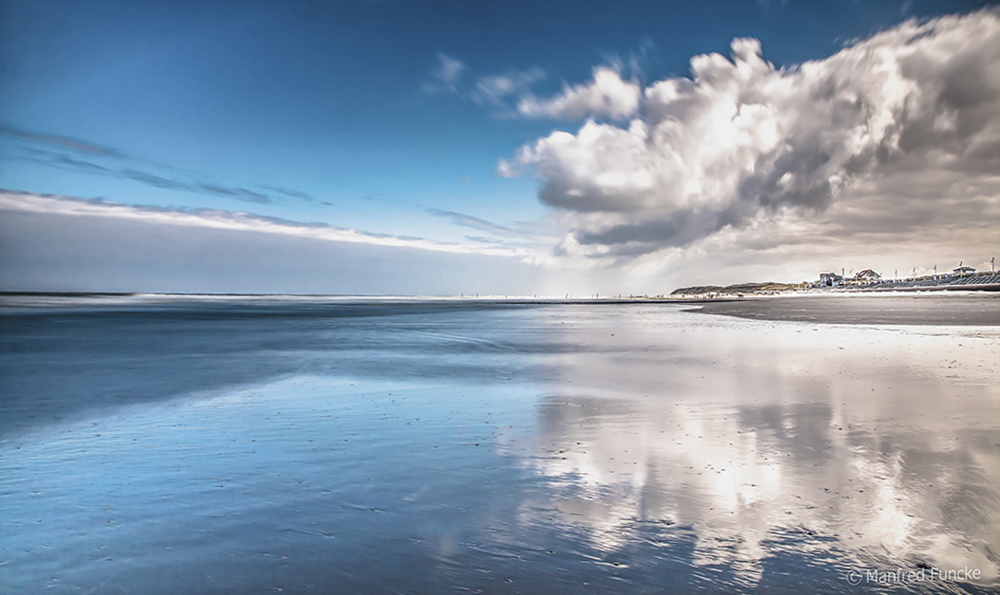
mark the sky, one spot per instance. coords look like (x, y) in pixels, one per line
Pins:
(502, 147)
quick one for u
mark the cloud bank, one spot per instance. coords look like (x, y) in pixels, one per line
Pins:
(831, 146)
(28, 202)
(58, 243)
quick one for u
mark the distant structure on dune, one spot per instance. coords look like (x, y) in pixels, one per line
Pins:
(830, 280)
(867, 276)
(964, 278)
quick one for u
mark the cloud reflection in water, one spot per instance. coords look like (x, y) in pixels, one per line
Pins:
(871, 444)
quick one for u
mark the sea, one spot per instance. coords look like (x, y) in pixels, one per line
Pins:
(165, 444)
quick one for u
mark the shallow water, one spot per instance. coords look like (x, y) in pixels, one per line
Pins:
(154, 445)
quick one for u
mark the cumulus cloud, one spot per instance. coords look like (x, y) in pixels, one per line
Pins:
(742, 141)
(507, 169)
(509, 95)
(606, 96)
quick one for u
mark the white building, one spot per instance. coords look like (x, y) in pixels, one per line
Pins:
(867, 276)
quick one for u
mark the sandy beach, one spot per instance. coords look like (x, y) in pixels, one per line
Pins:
(958, 309)
(792, 445)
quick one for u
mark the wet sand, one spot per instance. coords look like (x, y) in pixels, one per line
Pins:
(247, 446)
(970, 309)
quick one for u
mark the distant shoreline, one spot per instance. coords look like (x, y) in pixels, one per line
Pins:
(952, 308)
(387, 298)
(972, 282)
(672, 298)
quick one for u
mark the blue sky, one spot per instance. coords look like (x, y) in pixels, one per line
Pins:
(342, 113)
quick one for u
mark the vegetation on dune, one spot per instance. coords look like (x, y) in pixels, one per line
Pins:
(736, 289)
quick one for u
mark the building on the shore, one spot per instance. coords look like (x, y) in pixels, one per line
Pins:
(830, 280)
(963, 271)
(867, 276)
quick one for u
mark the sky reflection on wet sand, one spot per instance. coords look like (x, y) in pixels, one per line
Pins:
(555, 449)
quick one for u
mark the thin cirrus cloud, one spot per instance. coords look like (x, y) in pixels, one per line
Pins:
(500, 93)
(447, 76)
(61, 141)
(46, 149)
(486, 226)
(742, 141)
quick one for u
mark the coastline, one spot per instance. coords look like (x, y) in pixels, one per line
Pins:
(38, 301)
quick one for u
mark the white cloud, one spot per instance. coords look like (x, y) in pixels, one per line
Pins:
(498, 91)
(743, 142)
(607, 96)
(510, 94)
(447, 75)
(52, 243)
(506, 169)
(27, 202)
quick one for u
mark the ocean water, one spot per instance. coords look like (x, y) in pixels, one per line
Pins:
(153, 444)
